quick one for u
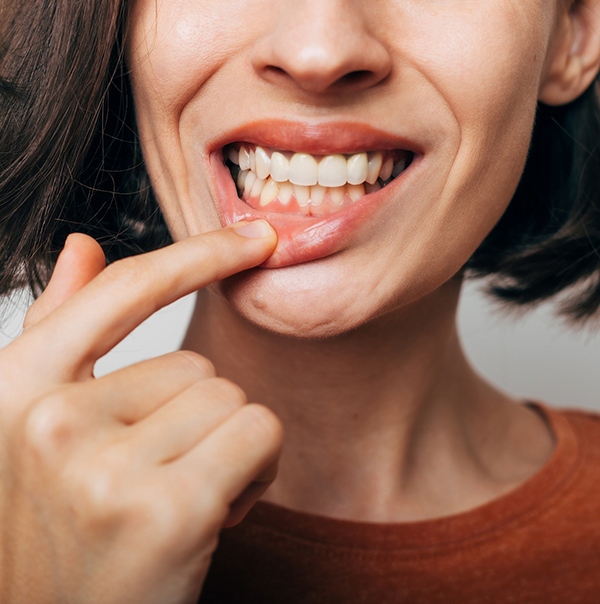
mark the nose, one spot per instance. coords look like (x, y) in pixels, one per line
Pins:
(322, 46)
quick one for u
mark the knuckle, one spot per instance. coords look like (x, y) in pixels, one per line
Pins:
(207, 503)
(164, 514)
(196, 362)
(262, 424)
(128, 273)
(169, 516)
(227, 391)
(98, 496)
(103, 489)
(212, 507)
(50, 425)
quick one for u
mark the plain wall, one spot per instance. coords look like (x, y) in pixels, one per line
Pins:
(533, 357)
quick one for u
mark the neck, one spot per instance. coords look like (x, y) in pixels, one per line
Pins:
(385, 423)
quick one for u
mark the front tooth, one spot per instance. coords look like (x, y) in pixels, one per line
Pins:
(303, 170)
(317, 193)
(374, 168)
(302, 194)
(333, 171)
(241, 179)
(233, 155)
(270, 192)
(355, 192)
(337, 195)
(358, 168)
(252, 160)
(399, 167)
(244, 158)
(249, 183)
(257, 187)
(280, 167)
(285, 192)
(263, 163)
(386, 169)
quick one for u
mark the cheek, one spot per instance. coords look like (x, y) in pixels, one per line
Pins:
(486, 66)
(176, 46)
(173, 49)
(485, 62)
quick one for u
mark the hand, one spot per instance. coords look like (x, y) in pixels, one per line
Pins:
(114, 490)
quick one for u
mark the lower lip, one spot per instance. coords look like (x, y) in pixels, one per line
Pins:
(300, 238)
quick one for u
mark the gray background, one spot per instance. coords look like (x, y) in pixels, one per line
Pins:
(535, 356)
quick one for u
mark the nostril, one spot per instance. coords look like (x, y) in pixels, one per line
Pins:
(320, 55)
(356, 77)
(272, 69)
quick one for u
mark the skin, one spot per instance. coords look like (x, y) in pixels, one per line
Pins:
(425, 77)
(101, 478)
(357, 352)
(384, 418)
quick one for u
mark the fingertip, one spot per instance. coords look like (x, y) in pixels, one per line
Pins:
(84, 246)
(81, 259)
(257, 229)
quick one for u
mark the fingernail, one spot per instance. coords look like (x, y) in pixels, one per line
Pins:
(255, 229)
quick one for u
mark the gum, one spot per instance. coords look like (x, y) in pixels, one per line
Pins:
(304, 238)
(325, 208)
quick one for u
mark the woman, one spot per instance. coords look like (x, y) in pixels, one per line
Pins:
(384, 143)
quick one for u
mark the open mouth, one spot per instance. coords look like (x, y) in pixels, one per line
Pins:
(311, 185)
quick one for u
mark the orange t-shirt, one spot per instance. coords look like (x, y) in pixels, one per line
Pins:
(539, 544)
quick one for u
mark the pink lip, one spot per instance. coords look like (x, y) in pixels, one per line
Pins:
(318, 139)
(306, 238)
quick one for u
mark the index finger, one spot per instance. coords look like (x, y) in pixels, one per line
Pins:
(128, 291)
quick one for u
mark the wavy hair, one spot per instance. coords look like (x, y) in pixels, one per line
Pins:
(70, 159)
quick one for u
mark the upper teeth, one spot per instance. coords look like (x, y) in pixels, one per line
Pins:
(305, 170)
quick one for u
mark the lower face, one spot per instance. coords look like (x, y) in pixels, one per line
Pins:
(379, 189)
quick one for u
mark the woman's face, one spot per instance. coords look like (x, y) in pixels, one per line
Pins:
(446, 90)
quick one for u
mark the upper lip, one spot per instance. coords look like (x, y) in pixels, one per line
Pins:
(320, 138)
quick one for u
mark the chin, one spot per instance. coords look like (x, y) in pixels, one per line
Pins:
(324, 299)
(298, 301)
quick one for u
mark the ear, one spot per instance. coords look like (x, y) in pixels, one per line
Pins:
(574, 59)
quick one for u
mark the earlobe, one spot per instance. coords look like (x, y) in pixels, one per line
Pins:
(575, 59)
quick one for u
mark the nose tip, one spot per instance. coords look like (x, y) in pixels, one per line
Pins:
(322, 46)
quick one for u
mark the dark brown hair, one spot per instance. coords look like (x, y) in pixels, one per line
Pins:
(69, 156)
(70, 161)
(548, 240)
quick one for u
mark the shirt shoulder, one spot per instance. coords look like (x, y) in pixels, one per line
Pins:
(585, 426)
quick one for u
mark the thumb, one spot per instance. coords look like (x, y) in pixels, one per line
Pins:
(80, 261)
